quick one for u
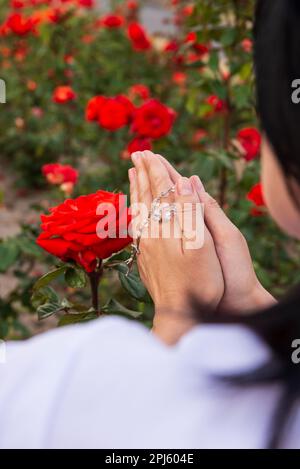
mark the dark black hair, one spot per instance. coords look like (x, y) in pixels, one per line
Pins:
(277, 65)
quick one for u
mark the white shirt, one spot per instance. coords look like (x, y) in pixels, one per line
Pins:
(112, 384)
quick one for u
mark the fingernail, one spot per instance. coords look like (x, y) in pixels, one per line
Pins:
(184, 186)
(197, 183)
(135, 155)
(131, 174)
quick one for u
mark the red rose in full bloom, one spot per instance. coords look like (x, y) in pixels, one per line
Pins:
(93, 108)
(20, 24)
(115, 113)
(63, 94)
(250, 140)
(112, 21)
(255, 195)
(138, 37)
(57, 173)
(111, 113)
(153, 119)
(72, 232)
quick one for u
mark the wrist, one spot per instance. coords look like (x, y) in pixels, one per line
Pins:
(171, 323)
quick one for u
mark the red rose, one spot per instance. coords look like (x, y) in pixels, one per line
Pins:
(139, 91)
(138, 37)
(217, 104)
(20, 25)
(63, 94)
(57, 173)
(132, 5)
(171, 46)
(17, 4)
(255, 195)
(247, 45)
(115, 113)
(86, 3)
(112, 21)
(153, 119)
(199, 136)
(179, 78)
(188, 10)
(93, 108)
(136, 144)
(72, 231)
(250, 140)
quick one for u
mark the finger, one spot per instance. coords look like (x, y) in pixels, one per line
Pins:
(133, 186)
(158, 174)
(219, 225)
(134, 209)
(173, 174)
(144, 194)
(189, 215)
(198, 186)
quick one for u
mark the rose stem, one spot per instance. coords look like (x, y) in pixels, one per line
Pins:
(94, 282)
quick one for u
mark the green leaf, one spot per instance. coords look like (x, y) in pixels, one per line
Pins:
(47, 278)
(76, 318)
(131, 283)
(29, 247)
(228, 37)
(48, 309)
(114, 307)
(42, 296)
(75, 278)
(9, 252)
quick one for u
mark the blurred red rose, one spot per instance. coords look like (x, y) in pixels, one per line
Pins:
(153, 119)
(57, 173)
(115, 113)
(138, 37)
(188, 10)
(255, 195)
(63, 94)
(17, 4)
(85, 3)
(199, 136)
(171, 46)
(20, 24)
(247, 45)
(132, 5)
(93, 108)
(139, 91)
(179, 78)
(136, 144)
(112, 21)
(217, 104)
(250, 140)
(70, 231)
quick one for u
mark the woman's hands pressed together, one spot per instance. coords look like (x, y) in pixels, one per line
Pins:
(218, 272)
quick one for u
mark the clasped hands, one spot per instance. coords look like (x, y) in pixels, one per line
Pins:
(219, 274)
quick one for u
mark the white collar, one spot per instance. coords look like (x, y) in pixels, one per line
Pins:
(223, 349)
